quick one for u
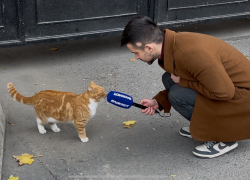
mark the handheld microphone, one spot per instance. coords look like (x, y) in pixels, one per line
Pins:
(123, 100)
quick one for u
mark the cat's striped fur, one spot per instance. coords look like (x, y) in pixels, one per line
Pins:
(56, 106)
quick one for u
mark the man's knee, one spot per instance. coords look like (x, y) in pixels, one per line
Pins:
(181, 96)
(174, 96)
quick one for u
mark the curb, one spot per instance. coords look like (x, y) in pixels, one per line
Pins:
(2, 136)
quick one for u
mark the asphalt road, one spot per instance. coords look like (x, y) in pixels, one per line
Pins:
(152, 149)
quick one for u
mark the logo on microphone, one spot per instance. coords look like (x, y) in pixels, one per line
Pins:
(120, 104)
(123, 96)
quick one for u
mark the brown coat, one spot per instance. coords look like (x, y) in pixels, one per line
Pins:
(220, 75)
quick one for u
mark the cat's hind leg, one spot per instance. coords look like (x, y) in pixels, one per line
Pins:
(52, 123)
(40, 126)
(54, 127)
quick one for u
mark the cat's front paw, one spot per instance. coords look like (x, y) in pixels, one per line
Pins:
(85, 139)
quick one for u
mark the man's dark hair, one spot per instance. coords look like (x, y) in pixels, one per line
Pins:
(141, 29)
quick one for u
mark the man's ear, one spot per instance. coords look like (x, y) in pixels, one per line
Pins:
(149, 48)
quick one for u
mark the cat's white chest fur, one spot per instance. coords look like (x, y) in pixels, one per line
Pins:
(92, 107)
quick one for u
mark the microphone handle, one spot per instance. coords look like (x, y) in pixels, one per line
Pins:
(142, 107)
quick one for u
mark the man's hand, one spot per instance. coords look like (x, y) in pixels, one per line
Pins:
(152, 105)
(176, 79)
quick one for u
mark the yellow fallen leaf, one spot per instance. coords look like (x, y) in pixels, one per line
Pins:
(173, 175)
(53, 49)
(4, 68)
(24, 159)
(13, 178)
(129, 124)
(133, 59)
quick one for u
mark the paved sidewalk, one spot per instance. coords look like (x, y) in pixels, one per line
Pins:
(152, 149)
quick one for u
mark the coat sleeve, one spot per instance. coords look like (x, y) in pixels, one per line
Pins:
(162, 99)
(212, 79)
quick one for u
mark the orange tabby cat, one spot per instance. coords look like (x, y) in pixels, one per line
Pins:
(55, 106)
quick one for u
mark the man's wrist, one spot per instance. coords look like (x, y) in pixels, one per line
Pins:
(156, 104)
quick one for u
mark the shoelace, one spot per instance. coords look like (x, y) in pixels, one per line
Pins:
(209, 143)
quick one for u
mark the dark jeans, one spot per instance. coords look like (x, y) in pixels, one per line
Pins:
(182, 99)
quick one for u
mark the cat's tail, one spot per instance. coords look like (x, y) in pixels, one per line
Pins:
(16, 96)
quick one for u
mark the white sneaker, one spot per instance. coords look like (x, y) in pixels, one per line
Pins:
(185, 132)
(211, 149)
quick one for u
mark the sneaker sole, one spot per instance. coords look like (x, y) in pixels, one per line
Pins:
(216, 155)
(185, 135)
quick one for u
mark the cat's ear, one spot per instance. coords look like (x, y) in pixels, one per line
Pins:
(90, 89)
(92, 83)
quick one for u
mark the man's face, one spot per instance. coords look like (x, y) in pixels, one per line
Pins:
(147, 55)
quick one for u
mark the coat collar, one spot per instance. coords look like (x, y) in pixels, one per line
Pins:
(168, 51)
(169, 42)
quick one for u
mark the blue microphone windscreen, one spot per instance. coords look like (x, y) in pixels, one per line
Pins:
(120, 99)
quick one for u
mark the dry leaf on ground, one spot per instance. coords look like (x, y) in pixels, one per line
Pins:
(133, 59)
(13, 178)
(4, 68)
(53, 49)
(10, 123)
(24, 159)
(129, 124)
